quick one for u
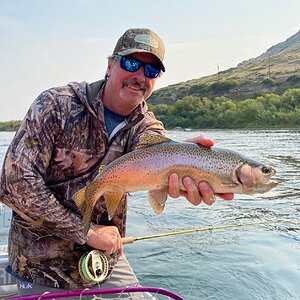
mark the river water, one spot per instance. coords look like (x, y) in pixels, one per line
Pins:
(254, 262)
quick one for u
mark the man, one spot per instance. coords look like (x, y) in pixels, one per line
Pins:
(66, 135)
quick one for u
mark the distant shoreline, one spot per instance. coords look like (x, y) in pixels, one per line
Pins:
(266, 127)
(10, 125)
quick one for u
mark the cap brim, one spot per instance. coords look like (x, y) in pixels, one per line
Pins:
(130, 51)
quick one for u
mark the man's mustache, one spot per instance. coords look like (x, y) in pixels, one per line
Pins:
(134, 82)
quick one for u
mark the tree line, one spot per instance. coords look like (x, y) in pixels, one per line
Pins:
(10, 125)
(269, 110)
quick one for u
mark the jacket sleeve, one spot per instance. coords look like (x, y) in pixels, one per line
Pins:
(25, 168)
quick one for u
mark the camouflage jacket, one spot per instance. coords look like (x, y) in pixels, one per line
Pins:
(57, 150)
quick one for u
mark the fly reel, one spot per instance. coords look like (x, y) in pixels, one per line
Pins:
(93, 266)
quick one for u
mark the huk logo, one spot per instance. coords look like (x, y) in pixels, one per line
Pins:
(25, 286)
(147, 40)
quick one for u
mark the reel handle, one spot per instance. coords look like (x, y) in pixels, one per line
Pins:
(128, 240)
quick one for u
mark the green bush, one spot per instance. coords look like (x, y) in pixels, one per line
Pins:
(267, 110)
(223, 86)
(294, 78)
(269, 82)
(10, 125)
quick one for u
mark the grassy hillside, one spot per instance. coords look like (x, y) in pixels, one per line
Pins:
(275, 71)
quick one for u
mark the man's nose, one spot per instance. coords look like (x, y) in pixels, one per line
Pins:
(140, 72)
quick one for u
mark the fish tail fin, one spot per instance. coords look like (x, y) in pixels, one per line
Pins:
(112, 201)
(87, 215)
(80, 200)
(157, 199)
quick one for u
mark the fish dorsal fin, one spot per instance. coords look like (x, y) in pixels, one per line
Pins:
(148, 139)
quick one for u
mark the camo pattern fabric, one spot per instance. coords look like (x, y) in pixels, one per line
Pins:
(133, 40)
(58, 150)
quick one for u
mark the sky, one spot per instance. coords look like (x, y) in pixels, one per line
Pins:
(53, 42)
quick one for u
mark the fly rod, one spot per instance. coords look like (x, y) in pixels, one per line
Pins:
(130, 239)
(93, 266)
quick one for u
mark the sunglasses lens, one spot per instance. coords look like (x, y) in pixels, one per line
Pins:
(130, 65)
(150, 71)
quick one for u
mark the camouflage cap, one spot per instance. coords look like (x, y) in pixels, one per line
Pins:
(141, 40)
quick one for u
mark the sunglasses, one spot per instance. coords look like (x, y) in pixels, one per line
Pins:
(132, 65)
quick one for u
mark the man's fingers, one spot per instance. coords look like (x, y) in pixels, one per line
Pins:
(227, 196)
(106, 239)
(173, 189)
(201, 140)
(192, 193)
(207, 193)
(114, 248)
(120, 250)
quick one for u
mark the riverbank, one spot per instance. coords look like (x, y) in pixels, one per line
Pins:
(10, 125)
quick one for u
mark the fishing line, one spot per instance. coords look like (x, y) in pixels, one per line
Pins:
(194, 280)
(129, 240)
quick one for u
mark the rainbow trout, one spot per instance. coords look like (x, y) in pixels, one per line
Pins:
(149, 167)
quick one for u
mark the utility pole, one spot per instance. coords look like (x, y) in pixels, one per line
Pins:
(218, 71)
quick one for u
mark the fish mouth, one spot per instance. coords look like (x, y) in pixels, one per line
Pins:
(266, 186)
(255, 179)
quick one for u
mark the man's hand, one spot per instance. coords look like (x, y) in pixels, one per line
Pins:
(106, 239)
(194, 193)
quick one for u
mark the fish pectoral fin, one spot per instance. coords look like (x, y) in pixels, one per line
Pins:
(79, 198)
(157, 199)
(112, 201)
(148, 139)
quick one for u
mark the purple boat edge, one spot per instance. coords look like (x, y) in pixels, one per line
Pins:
(87, 292)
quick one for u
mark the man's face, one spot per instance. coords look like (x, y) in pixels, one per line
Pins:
(129, 89)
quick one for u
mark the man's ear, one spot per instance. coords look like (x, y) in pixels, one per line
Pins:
(109, 65)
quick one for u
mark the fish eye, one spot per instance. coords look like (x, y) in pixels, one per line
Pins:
(266, 170)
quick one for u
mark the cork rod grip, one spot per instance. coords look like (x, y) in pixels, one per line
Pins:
(127, 240)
